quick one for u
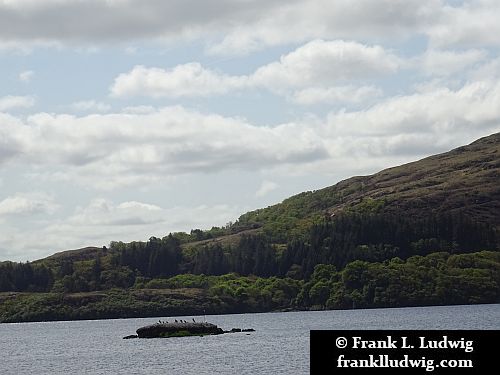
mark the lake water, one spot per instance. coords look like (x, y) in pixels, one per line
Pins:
(280, 344)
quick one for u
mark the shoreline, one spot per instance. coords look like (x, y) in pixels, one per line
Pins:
(215, 313)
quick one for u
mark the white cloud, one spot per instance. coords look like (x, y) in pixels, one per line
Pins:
(245, 25)
(26, 76)
(325, 63)
(13, 102)
(27, 204)
(113, 149)
(443, 63)
(90, 105)
(317, 65)
(265, 188)
(343, 94)
(183, 80)
(96, 22)
(473, 23)
(443, 113)
(341, 19)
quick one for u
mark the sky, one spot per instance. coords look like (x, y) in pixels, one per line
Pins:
(126, 119)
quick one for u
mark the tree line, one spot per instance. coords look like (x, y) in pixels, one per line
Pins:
(339, 241)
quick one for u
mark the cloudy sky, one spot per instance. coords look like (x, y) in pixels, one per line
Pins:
(124, 119)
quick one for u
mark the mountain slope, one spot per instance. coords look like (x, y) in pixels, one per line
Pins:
(466, 179)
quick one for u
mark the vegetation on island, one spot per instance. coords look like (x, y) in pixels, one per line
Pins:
(425, 233)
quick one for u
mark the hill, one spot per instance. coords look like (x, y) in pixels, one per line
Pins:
(464, 180)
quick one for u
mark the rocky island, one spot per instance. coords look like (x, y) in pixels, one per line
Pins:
(182, 328)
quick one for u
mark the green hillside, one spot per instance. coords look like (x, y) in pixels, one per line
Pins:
(465, 180)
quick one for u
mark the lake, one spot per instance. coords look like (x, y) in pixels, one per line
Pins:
(280, 344)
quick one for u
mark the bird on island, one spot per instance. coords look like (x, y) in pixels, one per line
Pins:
(176, 321)
(193, 321)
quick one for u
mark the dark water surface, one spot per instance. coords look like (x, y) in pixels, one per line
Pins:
(280, 344)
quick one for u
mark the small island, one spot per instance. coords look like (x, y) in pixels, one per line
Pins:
(182, 328)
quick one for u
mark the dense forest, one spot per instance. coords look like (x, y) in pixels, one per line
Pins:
(421, 234)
